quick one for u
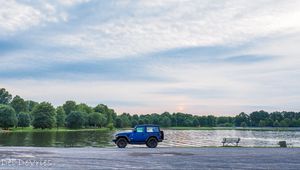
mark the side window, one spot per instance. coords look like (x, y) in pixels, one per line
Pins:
(139, 129)
(152, 129)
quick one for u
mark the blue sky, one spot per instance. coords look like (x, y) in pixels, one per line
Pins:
(194, 56)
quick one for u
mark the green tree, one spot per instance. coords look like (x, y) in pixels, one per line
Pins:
(18, 104)
(5, 97)
(23, 119)
(43, 116)
(211, 121)
(242, 117)
(165, 121)
(60, 117)
(262, 123)
(244, 124)
(119, 123)
(257, 116)
(276, 123)
(97, 119)
(75, 119)
(82, 107)
(69, 106)
(7, 117)
(285, 122)
(30, 105)
(109, 113)
(196, 122)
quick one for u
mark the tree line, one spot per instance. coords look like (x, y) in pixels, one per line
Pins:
(17, 112)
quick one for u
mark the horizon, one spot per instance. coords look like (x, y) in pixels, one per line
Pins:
(195, 57)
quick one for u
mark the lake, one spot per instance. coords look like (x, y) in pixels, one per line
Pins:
(174, 138)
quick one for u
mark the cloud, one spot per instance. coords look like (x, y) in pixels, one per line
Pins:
(151, 56)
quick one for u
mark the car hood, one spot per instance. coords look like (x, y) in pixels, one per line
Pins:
(123, 134)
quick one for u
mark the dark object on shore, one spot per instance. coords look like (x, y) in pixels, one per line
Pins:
(282, 144)
(232, 141)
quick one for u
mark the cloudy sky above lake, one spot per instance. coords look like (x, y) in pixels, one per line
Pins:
(196, 56)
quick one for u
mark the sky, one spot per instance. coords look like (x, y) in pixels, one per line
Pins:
(218, 57)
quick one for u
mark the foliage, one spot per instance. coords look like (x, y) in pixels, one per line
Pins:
(60, 117)
(96, 119)
(69, 106)
(18, 104)
(23, 119)
(75, 120)
(7, 117)
(43, 116)
(5, 96)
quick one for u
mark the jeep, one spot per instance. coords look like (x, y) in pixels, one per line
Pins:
(141, 134)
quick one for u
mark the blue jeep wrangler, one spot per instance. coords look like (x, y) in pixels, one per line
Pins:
(141, 134)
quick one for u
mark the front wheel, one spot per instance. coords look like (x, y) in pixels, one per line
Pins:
(121, 143)
(152, 143)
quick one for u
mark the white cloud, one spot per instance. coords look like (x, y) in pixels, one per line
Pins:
(150, 26)
(15, 16)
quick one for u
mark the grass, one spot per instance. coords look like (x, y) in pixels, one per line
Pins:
(31, 129)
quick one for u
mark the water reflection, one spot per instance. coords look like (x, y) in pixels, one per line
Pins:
(174, 138)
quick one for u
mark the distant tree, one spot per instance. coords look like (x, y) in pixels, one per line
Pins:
(18, 104)
(276, 116)
(7, 117)
(97, 119)
(257, 116)
(5, 97)
(196, 122)
(82, 107)
(23, 119)
(243, 124)
(119, 123)
(43, 116)
(203, 121)
(262, 123)
(284, 123)
(276, 123)
(211, 121)
(242, 117)
(109, 113)
(69, 106)
(165, 121)
(222, 120)
(30, 105)
(60, 117)
(75, 119)
(134, 123)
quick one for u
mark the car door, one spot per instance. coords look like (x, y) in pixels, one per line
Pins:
(139, 135)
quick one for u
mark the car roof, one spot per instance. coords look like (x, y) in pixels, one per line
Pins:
(147, 125)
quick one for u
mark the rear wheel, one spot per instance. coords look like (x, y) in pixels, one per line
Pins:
(121, 143)
(152, 143)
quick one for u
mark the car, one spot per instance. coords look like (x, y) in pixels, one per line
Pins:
(141, 134)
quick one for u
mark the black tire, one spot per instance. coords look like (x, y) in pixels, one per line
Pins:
(121, 143)
(152, 143)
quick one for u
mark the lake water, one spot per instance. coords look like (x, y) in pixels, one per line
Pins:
(174, 138)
